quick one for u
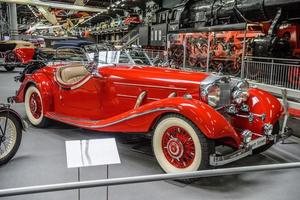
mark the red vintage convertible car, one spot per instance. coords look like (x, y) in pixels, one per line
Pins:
(187, 114)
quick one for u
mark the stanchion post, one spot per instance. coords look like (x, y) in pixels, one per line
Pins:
(78, 179)
(107, 177)
(208, 53)
(243, 55)
(184, 52)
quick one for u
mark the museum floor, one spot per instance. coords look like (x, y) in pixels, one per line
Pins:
(41, 160)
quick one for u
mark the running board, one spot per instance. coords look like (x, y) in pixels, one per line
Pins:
(110, 122)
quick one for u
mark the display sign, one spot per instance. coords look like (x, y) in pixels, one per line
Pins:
(2, 60)
(87, 153)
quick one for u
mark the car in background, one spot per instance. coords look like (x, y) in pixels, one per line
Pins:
(114, 23)
(104, 26)
(14, 53)
(132, 19)
(71, 43)
(117, 23)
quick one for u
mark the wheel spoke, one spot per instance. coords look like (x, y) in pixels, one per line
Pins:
(8, 140)
(178, 147)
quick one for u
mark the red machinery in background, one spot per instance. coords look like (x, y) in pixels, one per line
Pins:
(226, 47)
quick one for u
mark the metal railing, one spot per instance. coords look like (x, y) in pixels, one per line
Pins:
(158, 57)
(144, 179)
(283, 73)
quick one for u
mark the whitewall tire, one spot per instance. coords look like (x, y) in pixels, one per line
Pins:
(179, 146)
(34, 107)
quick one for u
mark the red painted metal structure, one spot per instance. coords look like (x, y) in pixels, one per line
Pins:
(226, 47)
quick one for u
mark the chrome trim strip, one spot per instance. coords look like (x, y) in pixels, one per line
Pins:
(121, 120)
(151, 86)
(135, 97)
(126, 96)
(212, 79)
(153, 99)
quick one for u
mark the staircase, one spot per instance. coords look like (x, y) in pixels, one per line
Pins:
(132, 37)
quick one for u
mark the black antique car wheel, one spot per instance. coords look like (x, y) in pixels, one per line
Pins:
(10, 136)
(9, 69)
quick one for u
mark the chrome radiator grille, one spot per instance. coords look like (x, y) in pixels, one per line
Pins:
(225, 94)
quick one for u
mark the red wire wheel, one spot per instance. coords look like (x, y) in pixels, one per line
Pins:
(34, 107)
(35, 104)
(178, 147)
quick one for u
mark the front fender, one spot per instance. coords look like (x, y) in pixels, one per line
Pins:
(210, 122)
(260, 103)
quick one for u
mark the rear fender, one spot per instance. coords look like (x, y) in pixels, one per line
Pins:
(44, 85)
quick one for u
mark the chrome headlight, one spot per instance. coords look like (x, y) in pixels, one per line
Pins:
(240, 92)
(212, 95)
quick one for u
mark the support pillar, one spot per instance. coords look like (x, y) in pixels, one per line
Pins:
(1, 23)
(13, 21)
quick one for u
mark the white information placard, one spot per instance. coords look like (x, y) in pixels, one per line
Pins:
(87, 153)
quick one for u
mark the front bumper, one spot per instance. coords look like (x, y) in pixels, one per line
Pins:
(247, 150)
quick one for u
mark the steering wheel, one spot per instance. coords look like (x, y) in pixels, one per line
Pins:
(138, 61)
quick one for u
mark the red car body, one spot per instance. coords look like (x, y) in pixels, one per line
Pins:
(133, 99)
(132, 20)
(24, 55)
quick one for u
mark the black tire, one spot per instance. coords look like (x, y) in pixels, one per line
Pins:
(202, 146)
(16, 128)
(259, 150)
(9, 69)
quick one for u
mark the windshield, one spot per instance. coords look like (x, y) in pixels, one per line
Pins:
(134, 57)
(102, 54)
(70, 55)
(139, 57)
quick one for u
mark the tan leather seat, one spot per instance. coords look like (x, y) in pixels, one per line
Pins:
(70, 75)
